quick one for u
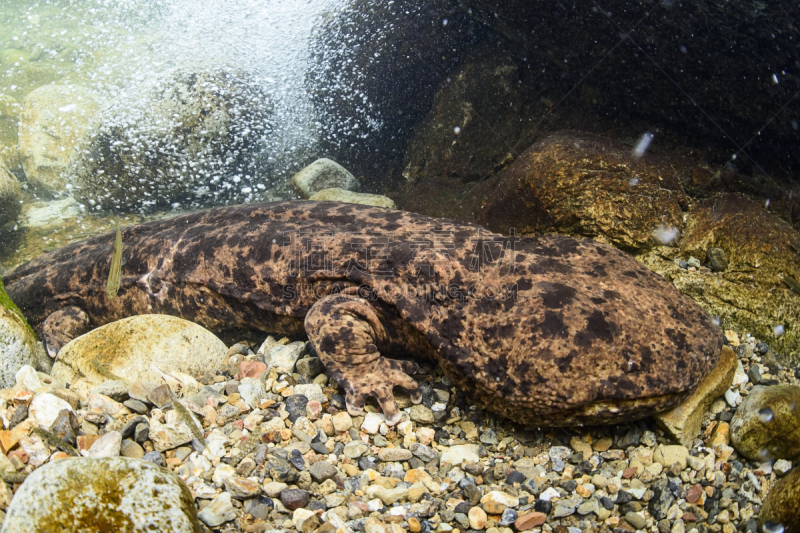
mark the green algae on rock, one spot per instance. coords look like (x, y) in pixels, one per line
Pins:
(767, 423)
(751, 294)
(781, 505)
(17, 340)
(582, 184)
(110, 494)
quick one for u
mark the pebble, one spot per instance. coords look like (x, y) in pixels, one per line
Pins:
(294, 498)
(220, 510)
(394, 454)
(287, 453)
(106, 446)
(636, 520)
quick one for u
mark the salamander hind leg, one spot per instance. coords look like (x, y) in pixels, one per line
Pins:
(345, 331)
(62, 326)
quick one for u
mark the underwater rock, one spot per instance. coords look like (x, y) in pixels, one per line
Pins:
(128, 348)
(767, 425)
(110, 494)
(341, 195)
(753, 294)
(781, 505)
(190, 138)
(475, 128)
(716, 259)
(375, 69)
(582, 184)
(53, 121)
(10, 193)
(17, 341)
(323, 174)
(683, 423)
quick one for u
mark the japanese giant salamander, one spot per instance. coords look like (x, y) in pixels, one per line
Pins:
(548, 330)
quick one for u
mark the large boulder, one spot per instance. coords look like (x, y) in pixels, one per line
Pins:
(110, 494)
(757, 290)
(573, 71)
(53, 120)
(781, 505)
(376, 68)
(10, 193)
(767, 424)
(17, 341)
(582, 184)
(190, 138)
(129, 348)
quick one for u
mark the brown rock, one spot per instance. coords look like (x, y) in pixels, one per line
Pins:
(530, 520)
(683, 422)
(755, 293)
(629, 472)
(582, 184)
(695, 491)
(250, 369)
(495, 508)
(7, 440)
(781, 504)
(85, 441)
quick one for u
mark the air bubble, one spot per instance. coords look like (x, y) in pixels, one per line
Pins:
(765, 414)
(773, 527)
(456, 130)
(778, 330)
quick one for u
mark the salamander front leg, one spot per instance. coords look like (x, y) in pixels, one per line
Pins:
(345, 331)
(62, 326)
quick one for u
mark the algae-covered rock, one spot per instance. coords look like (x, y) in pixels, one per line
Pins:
(17, 341)
(129, 347)
(53, 120)
(767, 423)
(323, 174)
(581, 184)
(191, 138)
(340, 195)
(781, 505)
(10, 192)
(110, 494)
(755, 293)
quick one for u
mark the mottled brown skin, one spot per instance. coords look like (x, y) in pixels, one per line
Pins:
(582, 334)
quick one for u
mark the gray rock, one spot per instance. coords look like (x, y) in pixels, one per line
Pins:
(717, 260)
(220, 510)
(136, 406)
(322, 470)
(71, 495)
(355, 449)
(53, 121)
(636, 520)
(426, 453)
(10, 193)
(335, 194)
(116, 389)
(17, 343)
(214, 118)
(394, 454)
(323, 174)
(421, 414)
(310, 367)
